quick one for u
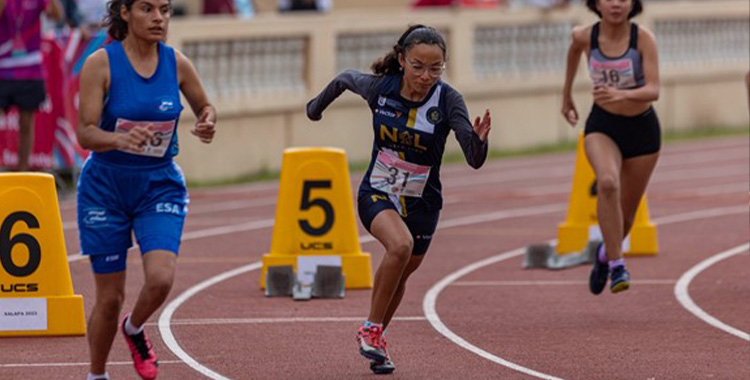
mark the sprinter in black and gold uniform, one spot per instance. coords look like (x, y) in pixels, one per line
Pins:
(400, 195)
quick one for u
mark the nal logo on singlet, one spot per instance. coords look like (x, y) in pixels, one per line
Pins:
(406, 138)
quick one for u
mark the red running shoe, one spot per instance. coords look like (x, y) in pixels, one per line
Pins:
(144, 360)
(386, 367)
(369, 343)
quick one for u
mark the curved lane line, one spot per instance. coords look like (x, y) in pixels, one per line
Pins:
(166, 315)
(430, 299)
(165, 318)
(682, 294)
(430, 312)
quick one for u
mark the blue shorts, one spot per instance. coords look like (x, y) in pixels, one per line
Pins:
(116, 201)
(421, 222)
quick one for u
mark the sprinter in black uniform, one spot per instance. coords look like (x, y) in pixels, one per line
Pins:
(623, 136)
(400, 195)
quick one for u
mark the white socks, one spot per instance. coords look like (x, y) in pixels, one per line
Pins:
(104, 376)
(130, 329)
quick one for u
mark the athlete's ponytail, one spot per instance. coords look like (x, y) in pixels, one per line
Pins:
(414, 35)
(116, 26)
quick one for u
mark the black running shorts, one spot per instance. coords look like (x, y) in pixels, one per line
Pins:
(634, 135)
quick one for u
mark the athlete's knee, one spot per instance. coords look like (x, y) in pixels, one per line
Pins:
(608, 185)
(401, 250)
(110, 304)
(159, 285)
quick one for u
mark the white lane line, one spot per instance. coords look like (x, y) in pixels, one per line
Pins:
(683, 295)
(545, 283)
(253, 321)
(732, 188)
(701, 214)
(208, 208)
(79, 364)
(659, 178)
(430, 299)
(679, 152)
(208, 232)
(266, 223)
(166, 316)
(490, 217)
(430, 311)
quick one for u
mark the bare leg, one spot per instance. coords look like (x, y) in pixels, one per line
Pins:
(414, 263)
(391, 231)
(25, 138)
(103, 321)
(634, 178)
(606, 160)
(159, 268)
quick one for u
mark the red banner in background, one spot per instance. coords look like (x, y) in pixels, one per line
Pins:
(44, 119)
(55, 144)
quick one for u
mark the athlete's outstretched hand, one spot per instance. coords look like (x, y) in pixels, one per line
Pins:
(205, 127)
(135, 140)
(482, 127)
(569, 112)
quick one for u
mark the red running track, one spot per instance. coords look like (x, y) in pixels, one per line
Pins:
(496, 321)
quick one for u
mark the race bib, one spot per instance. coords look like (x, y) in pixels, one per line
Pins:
(618, 73)
(162, 130)
(398, 177)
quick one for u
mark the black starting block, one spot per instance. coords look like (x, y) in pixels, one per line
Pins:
(328, 282)
(545, 256)
(280, 281)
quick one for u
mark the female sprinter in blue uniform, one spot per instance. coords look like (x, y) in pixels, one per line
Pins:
(622, 135)
(399, 199)
(130, 106)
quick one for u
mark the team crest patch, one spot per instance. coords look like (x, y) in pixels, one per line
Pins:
(434, 115)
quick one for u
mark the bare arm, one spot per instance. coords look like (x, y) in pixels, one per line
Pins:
(192, 88)
(94, 85)
(54, 10)
(650, 58)
(578, 44)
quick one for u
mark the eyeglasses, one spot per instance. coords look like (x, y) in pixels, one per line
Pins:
(433, 71)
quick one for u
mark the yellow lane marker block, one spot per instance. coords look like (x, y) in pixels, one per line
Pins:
(36, 292)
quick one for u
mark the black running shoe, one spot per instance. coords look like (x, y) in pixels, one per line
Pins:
(385, 368)
(599, 272)
(620, 279)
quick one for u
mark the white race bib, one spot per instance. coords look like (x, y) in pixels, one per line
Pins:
(618, 73)
(162, 130)
(398, 177)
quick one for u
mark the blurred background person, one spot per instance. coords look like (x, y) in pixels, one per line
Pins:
(305, 5)
(21, 74)
(241, 8)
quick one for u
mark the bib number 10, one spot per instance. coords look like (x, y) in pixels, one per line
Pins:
(7, 243)
(308, 203)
